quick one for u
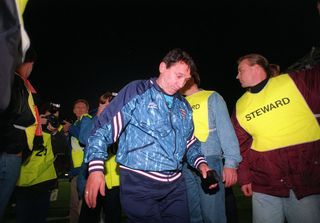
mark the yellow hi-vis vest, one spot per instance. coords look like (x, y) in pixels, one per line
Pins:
(76, 152)
(199, 105)
(39, 167)
(278, 116)
(112, 172)
(21, 5)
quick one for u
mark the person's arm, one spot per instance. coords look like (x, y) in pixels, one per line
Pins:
(309, 76)
(196, 159)
(95, 154)
(308, 81)
(74, 130)
(218, 113)
(245, 140)
(107, 129)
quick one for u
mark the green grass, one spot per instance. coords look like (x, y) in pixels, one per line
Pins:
(59, 209)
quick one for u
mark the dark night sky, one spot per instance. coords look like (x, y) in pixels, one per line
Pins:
(87, 47)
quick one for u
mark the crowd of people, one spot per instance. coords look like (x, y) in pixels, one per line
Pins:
(165, 150)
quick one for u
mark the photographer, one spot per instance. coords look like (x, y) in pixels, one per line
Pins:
(38, 175)
(52, 124)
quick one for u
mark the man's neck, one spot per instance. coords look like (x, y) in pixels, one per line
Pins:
(258, 87)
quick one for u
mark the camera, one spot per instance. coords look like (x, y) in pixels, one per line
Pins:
(53, 107)
(53, 120)
(212, 178)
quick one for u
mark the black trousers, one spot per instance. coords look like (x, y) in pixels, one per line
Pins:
(110, 204)
(231, 206)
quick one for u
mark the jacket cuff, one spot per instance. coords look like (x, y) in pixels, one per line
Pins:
(198, 161)
(96, 165)
(230, 164)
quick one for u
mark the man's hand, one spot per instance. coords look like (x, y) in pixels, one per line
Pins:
(101, 108)
(95, 183)
(43, 120)
(229, 176)
(247, 190)
(66, 127)
(203, 168)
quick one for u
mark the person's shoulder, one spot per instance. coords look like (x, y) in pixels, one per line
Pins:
(140, 81)
(138, 86)
(85, 117)
(215, 95)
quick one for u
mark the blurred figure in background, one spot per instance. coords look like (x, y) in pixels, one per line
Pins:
(80, 109)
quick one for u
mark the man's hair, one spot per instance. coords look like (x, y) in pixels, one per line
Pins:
(30, 56)
(274, 69)
(258, 59)
(176, 55)
(107, 96)
(196, 78)
(81, 101)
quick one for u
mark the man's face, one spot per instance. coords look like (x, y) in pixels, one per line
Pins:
(174, 77)
(80, 109)
(246, 74)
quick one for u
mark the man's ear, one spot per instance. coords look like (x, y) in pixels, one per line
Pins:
(162, 67)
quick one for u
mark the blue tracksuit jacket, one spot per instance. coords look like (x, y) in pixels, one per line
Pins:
(152, 137)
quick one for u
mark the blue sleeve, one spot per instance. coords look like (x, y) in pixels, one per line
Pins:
(218, 112)
(112, 121)
(85, 129)
(74, 130)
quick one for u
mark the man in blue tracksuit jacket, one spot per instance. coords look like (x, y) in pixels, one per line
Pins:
(155, 129)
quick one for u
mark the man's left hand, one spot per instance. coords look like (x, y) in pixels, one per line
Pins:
(203, 168)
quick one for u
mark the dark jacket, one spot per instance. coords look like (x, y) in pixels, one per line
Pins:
(10, 48)
(13, 140)
(295, 167)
